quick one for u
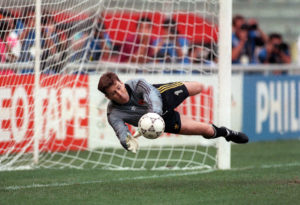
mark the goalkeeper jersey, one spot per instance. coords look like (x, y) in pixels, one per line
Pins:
(143, 98)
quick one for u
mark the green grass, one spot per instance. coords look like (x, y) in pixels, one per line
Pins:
(262, 173)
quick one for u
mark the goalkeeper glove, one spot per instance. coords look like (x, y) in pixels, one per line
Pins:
(132, 143)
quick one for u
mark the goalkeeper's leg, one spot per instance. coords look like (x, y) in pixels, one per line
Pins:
(192, 127)
(194, 87)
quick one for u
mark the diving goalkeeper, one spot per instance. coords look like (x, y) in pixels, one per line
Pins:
(131, 100)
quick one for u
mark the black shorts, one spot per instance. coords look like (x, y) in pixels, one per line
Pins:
(173, 94)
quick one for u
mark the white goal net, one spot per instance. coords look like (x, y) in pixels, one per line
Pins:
(52, 55)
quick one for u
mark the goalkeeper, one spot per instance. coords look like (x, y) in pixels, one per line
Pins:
(131, 100)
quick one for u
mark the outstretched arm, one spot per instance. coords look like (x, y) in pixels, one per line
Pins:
(122, 132)
(119, 127)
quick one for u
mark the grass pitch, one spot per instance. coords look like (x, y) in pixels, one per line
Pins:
(262, 173)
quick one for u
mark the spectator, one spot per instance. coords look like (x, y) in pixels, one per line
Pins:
(7, 43)
(4, 47)
(247, 39)
(79, 45)
(14, 46)
(3, 35)
(18, 22)
(138, 48)
(63, 40)
(204, 54)
(27, 37)
(171, 47)
(101, 47)
(275, 51)
(49, 42)
(256, 40)
(12, 43)
(240, 53)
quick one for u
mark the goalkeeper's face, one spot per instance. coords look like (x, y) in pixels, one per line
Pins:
(117, 93)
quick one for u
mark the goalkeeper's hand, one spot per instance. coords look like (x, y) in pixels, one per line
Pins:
(132, 143)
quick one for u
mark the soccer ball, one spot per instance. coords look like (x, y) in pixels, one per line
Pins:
(151, 125)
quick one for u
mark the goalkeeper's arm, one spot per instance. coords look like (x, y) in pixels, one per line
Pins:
(126, 139)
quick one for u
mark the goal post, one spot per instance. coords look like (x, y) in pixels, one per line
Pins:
(37, 63)
(53, 116)
(224, 77)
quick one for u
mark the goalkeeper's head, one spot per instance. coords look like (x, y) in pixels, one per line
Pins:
(114, 89)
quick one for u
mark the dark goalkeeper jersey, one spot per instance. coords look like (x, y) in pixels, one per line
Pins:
(144, 98)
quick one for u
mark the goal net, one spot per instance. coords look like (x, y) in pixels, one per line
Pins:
(53, 54)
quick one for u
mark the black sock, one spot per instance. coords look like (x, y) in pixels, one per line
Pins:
(219, 131)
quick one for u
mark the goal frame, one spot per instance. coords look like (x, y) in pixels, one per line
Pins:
(224, 81)
(224, 78)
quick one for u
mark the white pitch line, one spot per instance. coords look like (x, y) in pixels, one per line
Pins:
(102, 181)
(144, 177)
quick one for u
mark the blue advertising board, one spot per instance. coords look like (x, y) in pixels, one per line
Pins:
(271, 106)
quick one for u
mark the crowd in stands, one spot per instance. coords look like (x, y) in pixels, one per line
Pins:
(250, 45)
(64, 42)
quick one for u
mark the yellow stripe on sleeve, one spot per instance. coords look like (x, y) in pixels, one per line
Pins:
(166, 87)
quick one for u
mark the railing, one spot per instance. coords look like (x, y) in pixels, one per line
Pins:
(99, 67)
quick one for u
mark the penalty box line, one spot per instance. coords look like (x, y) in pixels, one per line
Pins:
(12, 188)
